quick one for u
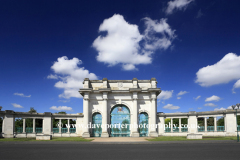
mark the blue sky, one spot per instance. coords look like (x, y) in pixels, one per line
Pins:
(48, 47)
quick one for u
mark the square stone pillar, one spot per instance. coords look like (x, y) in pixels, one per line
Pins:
(104, 113)
(161, 125)
(47, 123)
(9, 124)
(225, 124)
(192, 122)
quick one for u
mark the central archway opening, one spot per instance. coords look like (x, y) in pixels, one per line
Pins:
(97, 122)
(120, 121)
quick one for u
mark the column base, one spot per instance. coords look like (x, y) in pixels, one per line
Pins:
(104, 134)
(85, 135)
(153, 134)
(8, 135)
(135, 134)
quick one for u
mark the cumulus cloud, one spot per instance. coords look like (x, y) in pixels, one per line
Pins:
(121, 44)
(210, 104)
(177, 5)
(171, 107)
(197, 98)
(21, 95)
(224, 71)
(212, 98)
(61, 108)
(72, 76)
(236, 85)
(179, 97)
(219, 109)
(17, 105)
(182, 93)
(164, 95)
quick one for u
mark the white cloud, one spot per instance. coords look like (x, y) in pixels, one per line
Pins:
(199, 108)
(219, 109)
(21, 95)
(177, 5)
(61, 108)
(210, 105)
(236, 85)
(51, 76)
(121, 43)
(213, 98)
(72, 76)
(224, 71)
(179, 97)
(182, 93)
(171, 107)
(17, 105)
(164, 95)
(197, 97)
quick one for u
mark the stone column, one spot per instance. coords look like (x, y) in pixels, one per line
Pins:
(34, 125)
(135, 116)
(85, 118)
(171, 125)
(153, 114)
(225, 124)
(60, 125)
(104, 116)
(3, 126)
(192, 122)
(215, 124)
(47, 123)
(205, 124)
(24, 126)
(68, 127)
(180, 125)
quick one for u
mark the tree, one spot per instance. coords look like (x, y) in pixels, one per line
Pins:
(210, 121)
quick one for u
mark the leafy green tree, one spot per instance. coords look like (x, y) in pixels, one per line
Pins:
(201, 121)
(220, 121)
(125, 125)
(210, 121)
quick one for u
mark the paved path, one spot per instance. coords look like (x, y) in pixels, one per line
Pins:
(119, 139)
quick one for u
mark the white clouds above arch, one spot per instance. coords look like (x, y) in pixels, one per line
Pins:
(17, 105)
(121, 45)
(212, 98)
(164, 95)
(224, 71)
(21, 95)
(177, 5)
(71, 75)
(236, 85)
(210, 104)
(219, 109)
(171, 107)
(182, 93)
(61, 108)
(197, 98)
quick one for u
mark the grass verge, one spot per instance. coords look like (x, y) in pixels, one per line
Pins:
(78, 139)
(175, 138)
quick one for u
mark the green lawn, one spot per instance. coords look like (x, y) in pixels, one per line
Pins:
(168, 138)
(53, 139)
